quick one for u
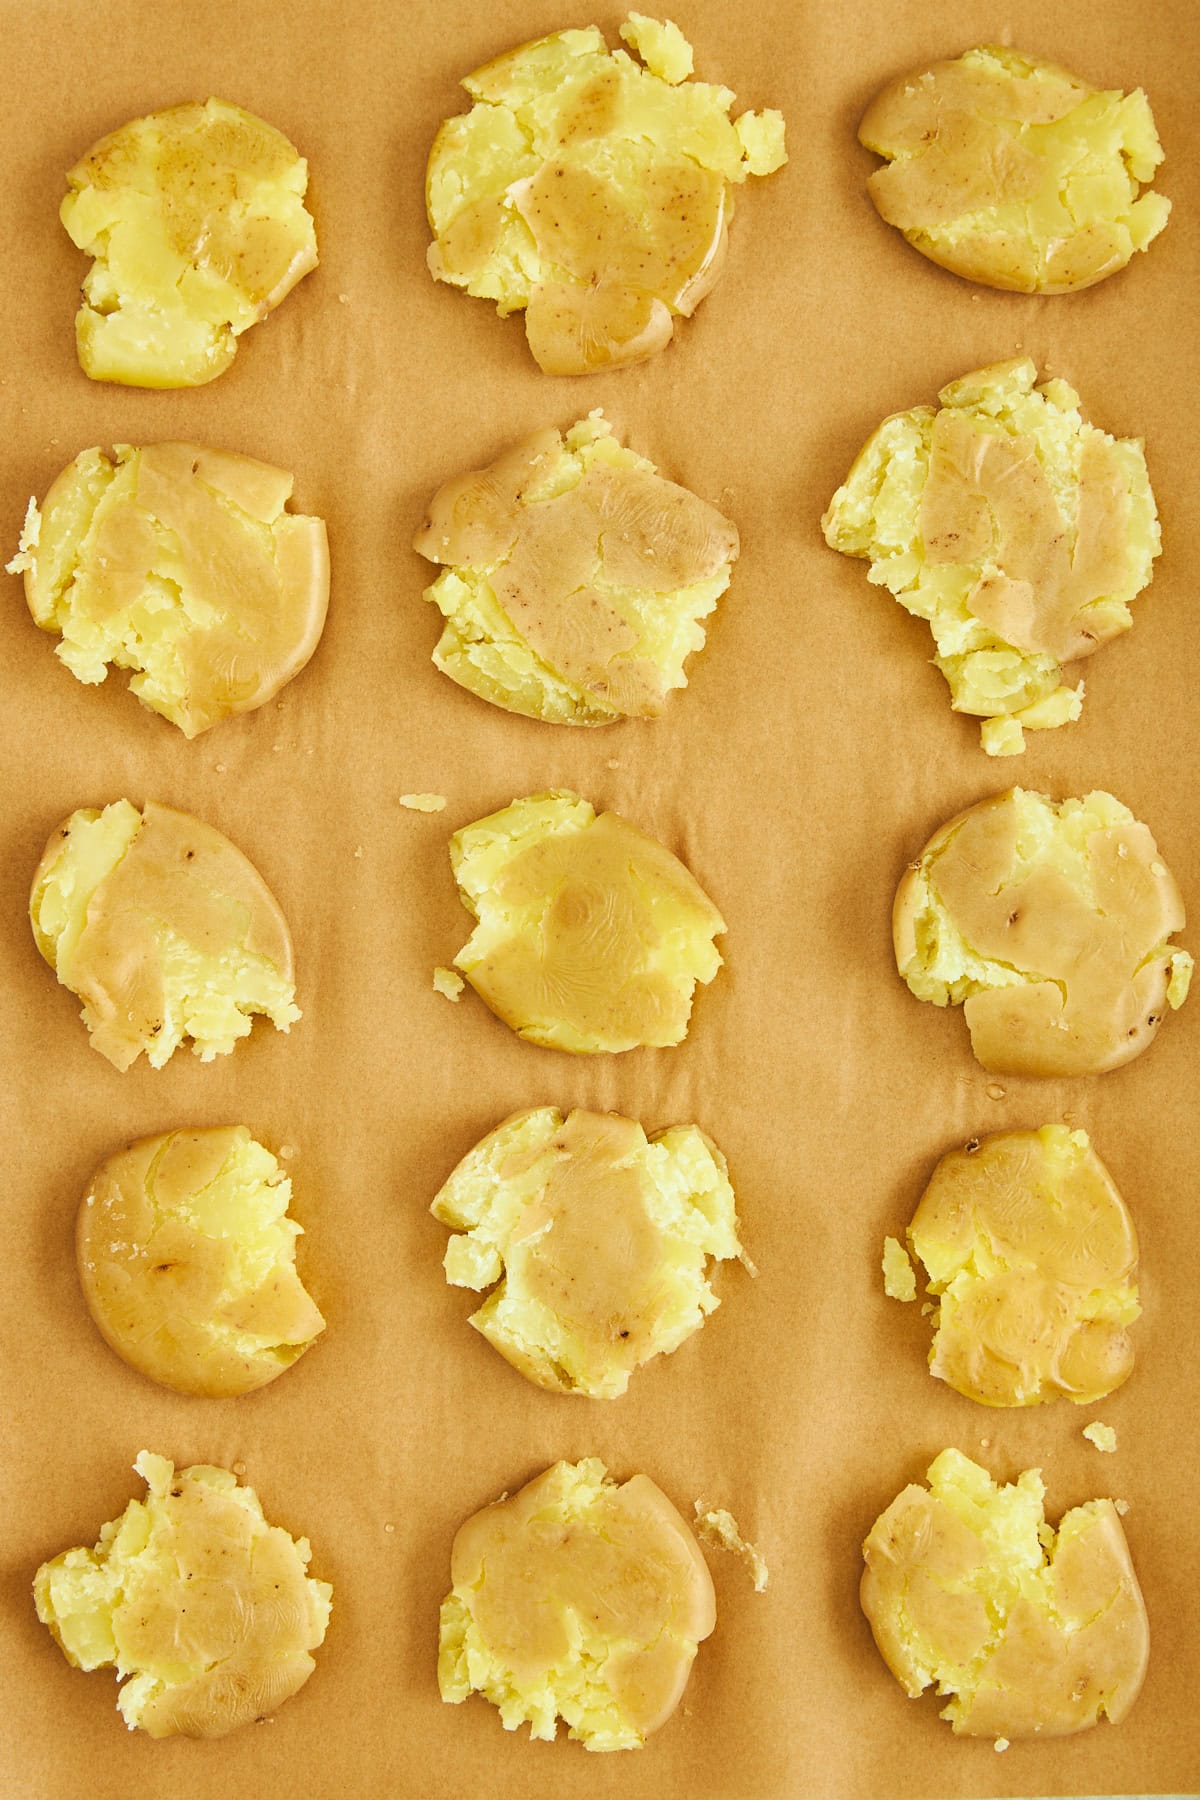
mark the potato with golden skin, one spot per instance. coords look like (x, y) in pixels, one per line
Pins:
(1014, 173)
(592, 192)
(576, 578)
(164, 930)
(576, 1598)
(597, 1237)
(196, 219)
(1050, 924)
(181, 564)
(1031, 1255)
(1033, 1631)
(187, 1261)
(205, 1610)
(590, 936)
(1018, 530)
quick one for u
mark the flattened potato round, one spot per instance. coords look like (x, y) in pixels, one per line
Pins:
(1032, 1256)
(163, 929)
(187, 1260)
(591, 192)
(181, 564)
(1033, 1632)
(591, 936)
(1019, 531)
(576, 1598)
(196, 219)
(576, 580)
(1050, 923)
(1013, 173)
(205, 1610)
(598, 1238)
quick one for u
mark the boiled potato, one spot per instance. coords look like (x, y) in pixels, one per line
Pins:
(1032, 1631)
(1050, 924)
(598, 1238)
(591, 192)
(577, 1599)
(163, 929)
(1019, 531)
(180, 564)
(1014, 173)
(1032, 1257)
(204, 1609)
(576, 578)
(196, 220)
(187, 1260)
(590, 935)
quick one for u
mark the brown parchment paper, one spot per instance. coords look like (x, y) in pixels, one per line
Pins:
(811, 756)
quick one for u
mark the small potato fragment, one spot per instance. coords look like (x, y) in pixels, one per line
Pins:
(1011, 172)
(187, 1260)
(196, 219)
(1032, 1256)
(1033, 1632)
(1020, 532)
(163, 929)
(576, 1598)
(205, 1610)
(181, 564)
(591, 936)
(592, 192)
(576, 578)
(598, 1238)
(1050, 924)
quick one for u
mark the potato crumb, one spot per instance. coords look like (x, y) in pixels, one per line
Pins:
(720, 1528)
(899, 1277)
(1103, 1436)
(30, 532)
(661, 46)
(448, 982)
(358, 850)
(1122, 1506)
(425, 803)
(1000, 1744)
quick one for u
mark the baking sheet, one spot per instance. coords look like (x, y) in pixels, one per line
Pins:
(811, 756)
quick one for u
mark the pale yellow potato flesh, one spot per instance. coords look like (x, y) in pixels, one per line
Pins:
(196, 219)
(164, 930)
(1032, 1631)
(1050, 924)
(1014, 173)
(1017, 530)
(591, 936)
(187, 1260)
(204, 1609)
(597, 1237)
(181, 564)
(577, 1599)
(1031, 1255)
(591, 192)
(576, 578)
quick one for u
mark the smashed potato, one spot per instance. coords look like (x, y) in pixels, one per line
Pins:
(590, 935)
(196, 219)
(576, 580)
(180, 564)
(597, 1237)
(1050, 924)
(203, 1608)
(593, 193)
(1014, 173)
(163, 929)
(1017, 530)
(576, 1599)
(1032, 1256)
(187, 1260)
(1032, 1632)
